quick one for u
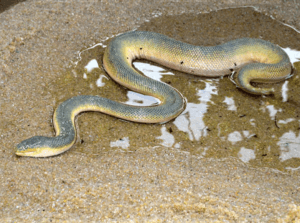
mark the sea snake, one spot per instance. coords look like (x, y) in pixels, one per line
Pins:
(255, 60)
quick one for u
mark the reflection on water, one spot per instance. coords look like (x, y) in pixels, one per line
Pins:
(246, 154)
(99, 81)
(289, 144)
(91, 65)
(151, 71)
(273, 111)
(293, 54)
(191, 120)
(284, 91)
(167, 138)
(230, 102)
(286, 121)
(140, 99)
(121, 143)
(234, 137)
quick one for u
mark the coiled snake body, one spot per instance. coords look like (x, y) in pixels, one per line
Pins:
(259, 60)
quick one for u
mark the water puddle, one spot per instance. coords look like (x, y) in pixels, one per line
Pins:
(220, 120)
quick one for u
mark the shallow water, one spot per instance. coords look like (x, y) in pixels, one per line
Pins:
(220, 120)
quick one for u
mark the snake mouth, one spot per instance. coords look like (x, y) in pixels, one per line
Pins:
(21, 151)
(38, 152)
(24, 153)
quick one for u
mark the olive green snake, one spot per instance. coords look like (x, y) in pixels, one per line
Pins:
(255, 60)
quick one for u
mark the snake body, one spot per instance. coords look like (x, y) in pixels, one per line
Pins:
(257, 60)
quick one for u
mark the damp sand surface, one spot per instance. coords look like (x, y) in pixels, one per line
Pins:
(230, 156)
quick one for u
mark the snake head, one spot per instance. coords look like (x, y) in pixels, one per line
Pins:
(34, 147)
(28, 147)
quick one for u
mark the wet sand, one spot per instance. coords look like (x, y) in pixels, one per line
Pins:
(39, 45)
